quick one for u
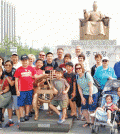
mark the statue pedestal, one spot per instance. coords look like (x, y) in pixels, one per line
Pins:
(104, 47)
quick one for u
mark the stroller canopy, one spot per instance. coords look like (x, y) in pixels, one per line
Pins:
(111, 87)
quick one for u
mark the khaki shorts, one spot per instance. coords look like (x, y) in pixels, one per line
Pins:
(62, 103)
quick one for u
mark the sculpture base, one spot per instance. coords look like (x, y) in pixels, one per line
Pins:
(46, 123)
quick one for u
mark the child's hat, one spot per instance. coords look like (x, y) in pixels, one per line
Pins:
(24, 57)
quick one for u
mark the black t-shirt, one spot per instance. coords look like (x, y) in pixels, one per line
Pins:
(11, 77)
(47, 67)
(70, 79)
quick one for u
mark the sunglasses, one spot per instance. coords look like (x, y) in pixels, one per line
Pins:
(78, 68)
(41, 55)
(104, 60)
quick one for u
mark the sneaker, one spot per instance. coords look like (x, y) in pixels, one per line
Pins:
(92, 115)
(22, 119)
(14, 112)
(61, 121)
(26, 118)
(0, 125)
(60, 116)
(79, 117)
(30, 115)
(9, 124)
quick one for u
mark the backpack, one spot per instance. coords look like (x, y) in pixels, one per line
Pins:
(95, 82)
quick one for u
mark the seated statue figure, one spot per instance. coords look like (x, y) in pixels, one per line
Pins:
(94, 24)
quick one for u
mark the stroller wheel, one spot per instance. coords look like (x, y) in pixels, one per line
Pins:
(113, 131)
(92, 129)
(96, 129)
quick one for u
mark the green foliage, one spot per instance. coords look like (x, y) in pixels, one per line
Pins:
(5, 48)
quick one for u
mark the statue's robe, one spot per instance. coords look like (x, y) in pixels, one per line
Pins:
(94, 25)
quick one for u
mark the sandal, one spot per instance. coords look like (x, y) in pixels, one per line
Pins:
(86, 124)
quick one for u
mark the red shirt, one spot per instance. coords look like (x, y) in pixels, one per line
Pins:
(5, 83)
(38, 71)
(25, 78)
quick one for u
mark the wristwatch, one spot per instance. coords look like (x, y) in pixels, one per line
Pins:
(90, 95)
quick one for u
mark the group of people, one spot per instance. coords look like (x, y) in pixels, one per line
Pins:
(73, 86)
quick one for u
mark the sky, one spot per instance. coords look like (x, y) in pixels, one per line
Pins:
(56, 22)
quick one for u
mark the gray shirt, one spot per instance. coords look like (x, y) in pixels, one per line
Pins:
(60, 85)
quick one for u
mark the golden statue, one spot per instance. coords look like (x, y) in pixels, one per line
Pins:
(94, 24)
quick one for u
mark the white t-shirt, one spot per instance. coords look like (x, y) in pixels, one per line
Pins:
(86, 64)
(17, 65)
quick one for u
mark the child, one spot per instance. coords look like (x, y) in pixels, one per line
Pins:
(67, 58)
(49, 64)
(59, 86)
(109, 107)
(71, 79)
(38, 73)
(24, 87)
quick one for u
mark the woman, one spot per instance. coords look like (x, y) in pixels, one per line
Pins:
(88, 92)
(31, 59)
(2, 62)
(98, 59)
(104, 73)
(9, 74)
(4, 88)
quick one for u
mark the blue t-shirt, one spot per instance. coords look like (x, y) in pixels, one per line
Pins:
(102, 75)
(83, 83)
(117, 69)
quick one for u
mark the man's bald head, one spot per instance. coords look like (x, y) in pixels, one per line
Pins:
(78, 50)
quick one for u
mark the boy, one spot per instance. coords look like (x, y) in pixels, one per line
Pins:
(59, 86)
(24, 87)
(71, 79)
(49, 64)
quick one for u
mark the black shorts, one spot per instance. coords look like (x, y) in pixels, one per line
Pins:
(78, 98)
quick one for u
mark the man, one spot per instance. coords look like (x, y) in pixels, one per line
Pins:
(15, 60)
(78, 51)
(42, 55)
(60, 59)
(117, 70)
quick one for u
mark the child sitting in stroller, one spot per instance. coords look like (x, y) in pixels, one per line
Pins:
(109, 107)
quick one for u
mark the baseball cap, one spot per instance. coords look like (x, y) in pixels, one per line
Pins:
(14, 54)
(69, 63)
(24, 57)
(105, 58)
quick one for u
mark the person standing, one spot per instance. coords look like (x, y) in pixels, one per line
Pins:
(59, 59)
(9, 74)
(15, 60)
(117, 69)
(42, 55)
(24, 87)
(98, 59)
(104, 73)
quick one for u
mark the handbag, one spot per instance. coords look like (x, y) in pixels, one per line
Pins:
(5, 98)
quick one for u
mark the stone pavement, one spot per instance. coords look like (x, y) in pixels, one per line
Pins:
(76, 129)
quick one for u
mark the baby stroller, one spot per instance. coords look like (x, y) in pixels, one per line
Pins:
(100, 116)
